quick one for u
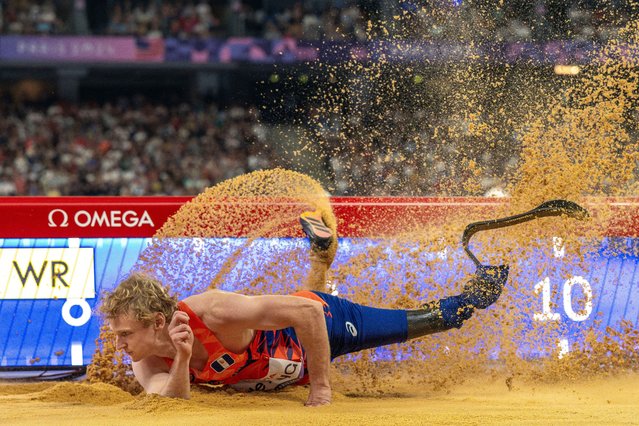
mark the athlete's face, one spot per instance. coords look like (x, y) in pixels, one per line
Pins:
(136, 339)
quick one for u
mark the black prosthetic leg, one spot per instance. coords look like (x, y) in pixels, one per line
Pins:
(484, 289)
(429, 319)
(479, 293)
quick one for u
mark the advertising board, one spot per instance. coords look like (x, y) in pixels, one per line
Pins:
(58, 255)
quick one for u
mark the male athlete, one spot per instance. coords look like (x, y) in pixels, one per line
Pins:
(267, 342)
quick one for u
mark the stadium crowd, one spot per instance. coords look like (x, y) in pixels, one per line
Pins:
(314, 20)
(135, 147)
(130, 147)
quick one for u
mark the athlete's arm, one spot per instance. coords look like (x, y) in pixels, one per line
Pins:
(152, 372)
(276, 312)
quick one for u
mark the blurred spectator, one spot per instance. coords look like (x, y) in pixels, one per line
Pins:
(30, 17)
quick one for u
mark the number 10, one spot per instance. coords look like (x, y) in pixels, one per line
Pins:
(547, 314)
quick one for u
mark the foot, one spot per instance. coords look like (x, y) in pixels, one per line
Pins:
(320, 235)
(485, 287)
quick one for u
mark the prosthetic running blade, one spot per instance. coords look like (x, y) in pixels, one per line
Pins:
(546, 209)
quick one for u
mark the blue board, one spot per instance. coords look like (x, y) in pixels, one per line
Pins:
(61, 332)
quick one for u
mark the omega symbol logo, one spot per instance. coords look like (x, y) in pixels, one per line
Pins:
(351, 328)
(64, 222)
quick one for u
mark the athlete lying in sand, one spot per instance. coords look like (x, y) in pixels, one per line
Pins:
(267, 342)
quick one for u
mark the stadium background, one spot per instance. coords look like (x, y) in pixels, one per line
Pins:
(231, 88)
(137, 98)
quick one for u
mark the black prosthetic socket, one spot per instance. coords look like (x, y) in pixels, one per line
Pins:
(438, 316)
(480, 292)
(427, 320)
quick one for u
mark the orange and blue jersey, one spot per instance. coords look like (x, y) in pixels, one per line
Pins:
(275, 358)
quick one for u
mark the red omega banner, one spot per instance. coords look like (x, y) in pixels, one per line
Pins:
(77, 217)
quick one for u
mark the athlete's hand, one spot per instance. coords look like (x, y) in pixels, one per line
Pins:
(320, 395)
(181, 334)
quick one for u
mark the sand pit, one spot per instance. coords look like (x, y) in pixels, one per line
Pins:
(485, 400)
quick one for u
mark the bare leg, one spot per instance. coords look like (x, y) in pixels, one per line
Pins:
(323, 248)
(317, 278)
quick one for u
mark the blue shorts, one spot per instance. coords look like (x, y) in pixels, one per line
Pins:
(352, 327)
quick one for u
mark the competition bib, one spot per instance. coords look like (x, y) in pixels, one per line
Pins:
(281, 373)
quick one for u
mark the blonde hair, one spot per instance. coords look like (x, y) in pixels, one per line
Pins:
(140, 295)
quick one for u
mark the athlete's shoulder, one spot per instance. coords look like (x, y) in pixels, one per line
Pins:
(205, 299)
(210, 305)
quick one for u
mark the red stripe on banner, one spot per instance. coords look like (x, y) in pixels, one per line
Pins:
(85, 217)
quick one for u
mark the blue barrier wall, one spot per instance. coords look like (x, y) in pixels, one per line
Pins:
(62, 332)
